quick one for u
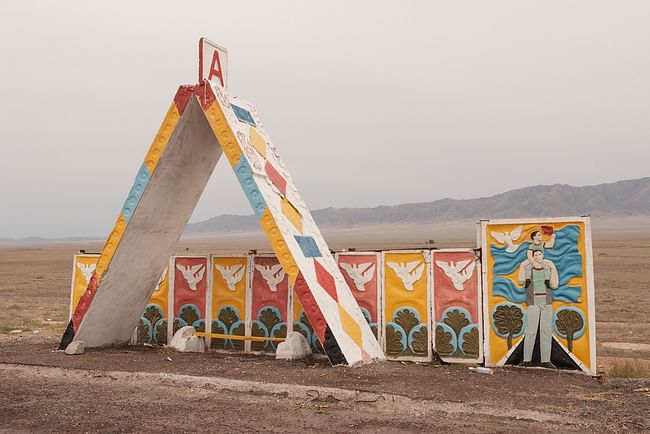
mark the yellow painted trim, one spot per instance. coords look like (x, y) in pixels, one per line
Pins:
(110, 246)
(291, 213)
(238, 337)
(350, 326)
(279, 246)
(257, 141)
(160, 141)
(225, 136)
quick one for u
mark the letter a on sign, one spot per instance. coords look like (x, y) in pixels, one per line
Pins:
(213, 62)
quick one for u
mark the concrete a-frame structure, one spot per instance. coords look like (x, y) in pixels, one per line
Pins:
(203, 123)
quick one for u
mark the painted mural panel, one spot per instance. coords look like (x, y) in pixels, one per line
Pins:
(153, 325)
(538, 297)
(190, 284)
(361, 272)
(407, 305)
(269, 301)
(229, 301)
(83, 267)
(457, 335)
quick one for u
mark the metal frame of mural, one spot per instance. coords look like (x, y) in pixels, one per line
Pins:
(455, 321)
(358, 276)
(189, 313)
(228, 320)
(545, 265)
(402, 309)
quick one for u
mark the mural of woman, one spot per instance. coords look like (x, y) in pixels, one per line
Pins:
(539, 276)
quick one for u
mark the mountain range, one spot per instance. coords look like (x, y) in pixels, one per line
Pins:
(623, 198)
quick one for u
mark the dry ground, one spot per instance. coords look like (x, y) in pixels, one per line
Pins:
(34, 295)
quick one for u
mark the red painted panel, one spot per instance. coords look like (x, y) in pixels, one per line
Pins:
(270, 286)
(310, 307)
(360, 273)
(190, 283)
(276, 178)
(465, 292)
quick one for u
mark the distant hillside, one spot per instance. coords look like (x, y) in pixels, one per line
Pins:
(623, 198)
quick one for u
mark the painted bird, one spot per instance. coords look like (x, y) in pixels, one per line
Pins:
(273, 275)
(232, 275)
(359, 273)
(509, 238)
(459, 272)
(87, 270)
(192, 274)
(408, 273)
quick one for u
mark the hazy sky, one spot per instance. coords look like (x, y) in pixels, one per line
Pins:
(369, 102)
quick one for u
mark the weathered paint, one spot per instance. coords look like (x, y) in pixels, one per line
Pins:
(83, 267)
(407, 304)
(190, 291)
(505, 244)
(159, 206)
(136, 256)
(229, 300)
(269, 301)
(361, 271)
(457, 321)
(153, 325)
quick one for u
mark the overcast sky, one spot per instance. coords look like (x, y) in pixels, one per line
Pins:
(369, 102)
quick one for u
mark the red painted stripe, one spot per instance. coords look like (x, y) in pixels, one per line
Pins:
(84, 303)
(204, 94)
(182, 97)
(276, 178)
(309, 305)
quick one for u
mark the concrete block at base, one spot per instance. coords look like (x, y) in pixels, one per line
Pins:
(295, 347)
(186, 341)
(75, 347)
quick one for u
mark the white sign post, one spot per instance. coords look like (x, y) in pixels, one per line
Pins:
(213, 63)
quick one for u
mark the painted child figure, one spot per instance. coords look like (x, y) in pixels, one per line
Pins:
(538, 243)
(539, 277)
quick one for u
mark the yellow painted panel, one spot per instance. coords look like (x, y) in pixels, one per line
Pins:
(258, 141)
(82, 270)
(229, 285)
(498, 345)
(224, 134)
(406, 304)
(397, 293)
(160, 295)
(291, 213)
(160, 141)
(110, 246)
(279, 246)
(350, 326)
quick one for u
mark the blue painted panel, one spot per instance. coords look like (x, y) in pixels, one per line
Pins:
(308, 246)
(136, 192)
(245, 177)
(243, 115)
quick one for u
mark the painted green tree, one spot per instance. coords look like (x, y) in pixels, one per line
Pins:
(508, 320)
(569, 322)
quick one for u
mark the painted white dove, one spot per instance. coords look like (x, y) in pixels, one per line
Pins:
(273, 275)
(509, 238)
(232, 275)
(359, 273)
(459, 272)
(408, 273)
(87, 270)
(192, 274)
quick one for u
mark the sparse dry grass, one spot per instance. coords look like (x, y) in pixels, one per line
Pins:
(631, 368)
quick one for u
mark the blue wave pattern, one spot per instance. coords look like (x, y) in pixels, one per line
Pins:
(564, 255)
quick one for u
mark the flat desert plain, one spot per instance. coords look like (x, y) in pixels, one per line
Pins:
(137, 388)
